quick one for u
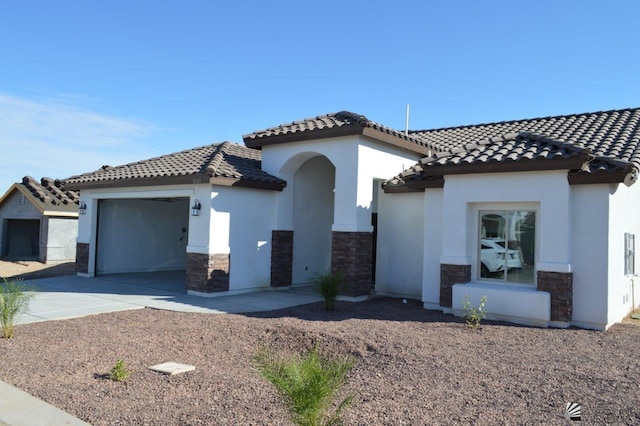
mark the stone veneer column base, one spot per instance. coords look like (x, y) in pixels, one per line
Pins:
(82, 258)
(560, 286)
(351, 257)
(450, 275)
(208, 273)
(281, 258)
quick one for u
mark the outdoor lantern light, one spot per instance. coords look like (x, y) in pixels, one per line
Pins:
(195, 209)
(82, 208)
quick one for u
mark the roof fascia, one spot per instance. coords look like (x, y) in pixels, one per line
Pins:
(246, 183)
(128, 183)
(586, 178)
(9, 191)
(62, 214)
(415, 185)
(400, 189)
(503, 167)
(307, 135)
(395, 141)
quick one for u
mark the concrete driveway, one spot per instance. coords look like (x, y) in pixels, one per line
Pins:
(74, 296)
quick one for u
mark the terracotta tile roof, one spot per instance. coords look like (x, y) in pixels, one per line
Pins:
(609, 140)
(223, 163)
(335, 124)
(48, 195)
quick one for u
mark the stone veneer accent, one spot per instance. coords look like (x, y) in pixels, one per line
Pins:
(351, 257)
(450, 275)
(560, 286)
(281, 258)
(208, 273)
(82, 258)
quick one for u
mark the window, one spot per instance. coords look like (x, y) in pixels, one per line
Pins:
(629, 254)
(507, 246)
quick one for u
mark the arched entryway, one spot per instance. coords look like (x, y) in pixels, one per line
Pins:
(323, 222)
(313, 206)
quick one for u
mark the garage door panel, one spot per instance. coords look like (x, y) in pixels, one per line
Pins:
(23, 238)
(142, 235)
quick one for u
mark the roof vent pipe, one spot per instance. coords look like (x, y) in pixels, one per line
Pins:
(406, 121)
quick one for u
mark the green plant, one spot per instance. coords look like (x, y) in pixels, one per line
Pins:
(14, 300)
(329, 287)
(119, 372)
(307, 383)
(473, 315)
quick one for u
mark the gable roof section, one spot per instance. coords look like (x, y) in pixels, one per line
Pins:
(225, 163)
(48, 196)
(609, 143)
(343, 123)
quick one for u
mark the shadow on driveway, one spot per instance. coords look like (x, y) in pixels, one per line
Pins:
(73, 296)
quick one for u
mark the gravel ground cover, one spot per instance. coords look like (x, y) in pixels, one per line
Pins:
(414, 367)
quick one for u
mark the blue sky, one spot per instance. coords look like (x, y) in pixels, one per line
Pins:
(87, 83)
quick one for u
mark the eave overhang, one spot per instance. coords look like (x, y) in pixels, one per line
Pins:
(194, 179)
(336, 132)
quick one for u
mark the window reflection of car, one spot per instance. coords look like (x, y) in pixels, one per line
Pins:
(494, 256)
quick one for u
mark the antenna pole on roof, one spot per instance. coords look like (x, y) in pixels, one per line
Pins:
(406, 121)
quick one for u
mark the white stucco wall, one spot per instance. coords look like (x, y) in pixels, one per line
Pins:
(357, 160)
(589, 233)
(433, 220)
(548, 193)
(400, 245)
(377, 161)
(247, 216)
(624, 216)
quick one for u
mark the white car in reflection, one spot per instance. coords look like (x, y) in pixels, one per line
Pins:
(494, 255)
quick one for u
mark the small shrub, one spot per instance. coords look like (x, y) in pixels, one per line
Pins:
(14, 300)
(473, 315)
(329, 287)
(307, 383)
(119, 372)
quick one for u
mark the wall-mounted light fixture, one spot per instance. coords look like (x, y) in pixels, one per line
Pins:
(82, 208)
(195, 209)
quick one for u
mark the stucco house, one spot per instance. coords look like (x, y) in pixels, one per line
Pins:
(539, 215)
(39, 221)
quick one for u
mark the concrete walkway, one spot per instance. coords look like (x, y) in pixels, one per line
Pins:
(73, 296)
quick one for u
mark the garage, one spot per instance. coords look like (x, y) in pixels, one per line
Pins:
(22, 240)
(142, 235)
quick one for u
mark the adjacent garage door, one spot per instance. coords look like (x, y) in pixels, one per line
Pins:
(22, 238)
(141, 235)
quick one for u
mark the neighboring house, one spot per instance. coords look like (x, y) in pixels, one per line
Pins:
(39, 221)
(538, 215)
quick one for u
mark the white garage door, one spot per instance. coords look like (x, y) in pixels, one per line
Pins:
(141, 235)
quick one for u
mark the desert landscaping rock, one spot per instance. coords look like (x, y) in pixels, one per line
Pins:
(414, 367)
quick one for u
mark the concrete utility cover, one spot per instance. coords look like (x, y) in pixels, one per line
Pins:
(172, 368)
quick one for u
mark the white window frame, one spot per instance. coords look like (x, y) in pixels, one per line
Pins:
(483, 208)
(629, 254)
